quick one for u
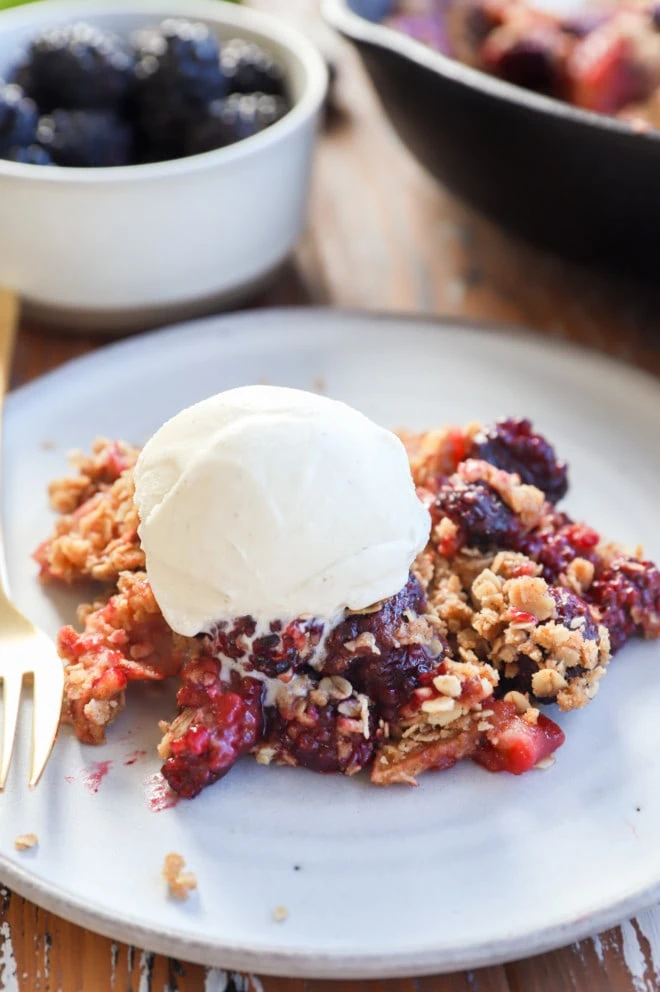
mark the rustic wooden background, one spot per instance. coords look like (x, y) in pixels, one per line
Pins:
(381, 236)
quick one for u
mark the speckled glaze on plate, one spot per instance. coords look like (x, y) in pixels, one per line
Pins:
(466, 870)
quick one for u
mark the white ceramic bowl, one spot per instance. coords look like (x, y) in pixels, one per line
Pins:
(134, 245)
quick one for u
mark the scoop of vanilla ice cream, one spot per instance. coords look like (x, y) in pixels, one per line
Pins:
(275, 503)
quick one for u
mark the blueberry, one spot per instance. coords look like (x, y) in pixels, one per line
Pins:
(77, 67)
(248, 68)
(239, 116)
(18, 118)
(86, 138)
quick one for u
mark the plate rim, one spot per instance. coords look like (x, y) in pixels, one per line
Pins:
(539, 339)
(315, 963)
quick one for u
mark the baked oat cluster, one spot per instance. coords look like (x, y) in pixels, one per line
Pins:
(512, 606)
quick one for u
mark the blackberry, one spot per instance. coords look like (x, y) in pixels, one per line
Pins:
(627, 594)
(557, 541)
(569, 608)
(391, 680)
(319, 739)
(18, 118)
(30, 155)
(248, 68)
(383, 624)
(535, 60)
(386, 671)
(77, 67)
(227, 121)
(177, 76)
(514, 446)
(159, 137)
(86, 138)
(484, 521)
(178, 66)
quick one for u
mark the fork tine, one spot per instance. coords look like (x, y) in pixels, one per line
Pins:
(46, 709)
(11, 698)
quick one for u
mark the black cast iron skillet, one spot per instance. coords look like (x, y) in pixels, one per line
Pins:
(584, 185)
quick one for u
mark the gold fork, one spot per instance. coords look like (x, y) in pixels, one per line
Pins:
(25, 651)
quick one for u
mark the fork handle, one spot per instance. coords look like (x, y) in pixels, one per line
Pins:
(9, 306)
(8, 325)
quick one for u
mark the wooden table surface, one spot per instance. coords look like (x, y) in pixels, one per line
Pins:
(381, 236)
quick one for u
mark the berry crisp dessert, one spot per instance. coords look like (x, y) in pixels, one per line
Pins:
(332, 596)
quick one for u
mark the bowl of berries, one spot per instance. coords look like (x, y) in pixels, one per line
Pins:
(155, 155)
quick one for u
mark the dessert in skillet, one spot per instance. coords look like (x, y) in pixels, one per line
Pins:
(334, 597)
(604, 57)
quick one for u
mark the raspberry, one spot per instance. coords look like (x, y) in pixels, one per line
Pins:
(219, 723)
(515, 746)
(512, 445)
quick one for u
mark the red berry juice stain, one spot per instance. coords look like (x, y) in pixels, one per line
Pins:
(134, 756)
(158, 794)
(93, 775)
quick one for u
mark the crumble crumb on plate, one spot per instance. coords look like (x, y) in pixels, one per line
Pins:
(180, 883)
(24, 842)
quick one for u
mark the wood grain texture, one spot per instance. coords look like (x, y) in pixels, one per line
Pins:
(381, 236)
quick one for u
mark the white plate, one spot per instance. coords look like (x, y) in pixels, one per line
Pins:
(469, 868)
